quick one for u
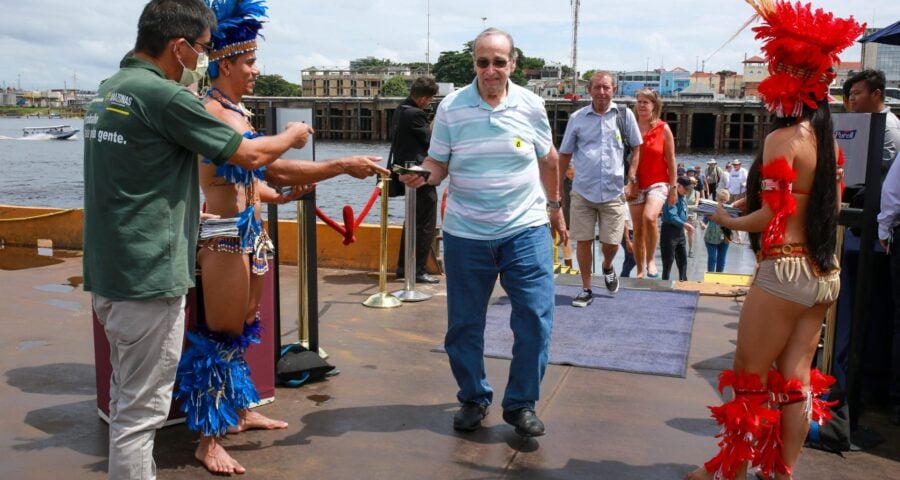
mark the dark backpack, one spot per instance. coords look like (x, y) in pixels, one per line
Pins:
(621, 122)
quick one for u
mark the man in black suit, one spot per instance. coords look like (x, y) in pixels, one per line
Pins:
(412, 133)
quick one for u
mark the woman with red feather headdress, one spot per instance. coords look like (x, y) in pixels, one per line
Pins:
(793, 200)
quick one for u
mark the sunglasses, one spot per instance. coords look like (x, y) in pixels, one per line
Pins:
(485, 63)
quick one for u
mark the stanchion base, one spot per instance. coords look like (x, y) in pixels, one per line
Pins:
(411, 295)
(382, 300)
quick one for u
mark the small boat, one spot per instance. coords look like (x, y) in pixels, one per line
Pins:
(57, 132)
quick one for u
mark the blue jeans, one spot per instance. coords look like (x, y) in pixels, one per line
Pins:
(715, 256)
(524, 262)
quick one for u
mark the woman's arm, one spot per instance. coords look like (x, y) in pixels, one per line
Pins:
(755, 222)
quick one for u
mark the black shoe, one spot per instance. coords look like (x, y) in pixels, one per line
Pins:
(612, 281)
(526, 422)
(469, 416)
(583, 299)
(426, 278)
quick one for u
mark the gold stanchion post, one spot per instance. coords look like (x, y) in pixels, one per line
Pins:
(383, 299)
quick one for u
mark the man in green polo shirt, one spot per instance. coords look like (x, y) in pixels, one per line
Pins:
(143, 132)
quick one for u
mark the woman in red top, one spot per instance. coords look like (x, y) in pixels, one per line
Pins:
(655, 179)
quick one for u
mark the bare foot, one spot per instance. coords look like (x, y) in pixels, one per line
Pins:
(214, 457)
(251, 420)
(699, 474)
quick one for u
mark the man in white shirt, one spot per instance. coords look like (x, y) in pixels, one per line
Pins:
(737, 180)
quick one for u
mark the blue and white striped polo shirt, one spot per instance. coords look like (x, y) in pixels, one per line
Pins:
(495, 186)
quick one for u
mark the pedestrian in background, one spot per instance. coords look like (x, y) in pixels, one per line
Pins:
(671, 237)
(595, 142)
(702, 185)
(714, 176)
(737, 181)
(866, 95)
(412, 134)
(656, 176)
(716, 239)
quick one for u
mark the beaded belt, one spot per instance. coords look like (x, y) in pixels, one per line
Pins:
(783, 250)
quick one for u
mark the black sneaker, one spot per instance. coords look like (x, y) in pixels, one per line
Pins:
(583, 299)
(612, 281)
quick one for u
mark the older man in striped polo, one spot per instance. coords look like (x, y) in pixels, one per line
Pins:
(493, 140)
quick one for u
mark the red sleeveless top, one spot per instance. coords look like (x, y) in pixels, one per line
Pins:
(652, 167)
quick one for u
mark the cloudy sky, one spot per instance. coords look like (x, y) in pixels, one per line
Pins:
(52, 43)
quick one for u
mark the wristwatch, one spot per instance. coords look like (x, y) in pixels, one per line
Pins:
(554, 204)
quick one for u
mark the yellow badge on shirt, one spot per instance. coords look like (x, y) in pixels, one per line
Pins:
(518, 143)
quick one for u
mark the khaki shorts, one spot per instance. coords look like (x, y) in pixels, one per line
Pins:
(585, 215)
(803, 285)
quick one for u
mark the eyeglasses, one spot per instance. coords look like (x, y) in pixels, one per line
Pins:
(485, 63)
(207, 48)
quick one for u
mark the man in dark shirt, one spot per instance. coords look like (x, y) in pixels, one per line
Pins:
(412, 135)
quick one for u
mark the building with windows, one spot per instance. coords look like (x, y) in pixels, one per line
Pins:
(755, 71)
(886, 58)
(710, 81)
(628, 83)
(732, 86)
(349, 82)
(672, 82)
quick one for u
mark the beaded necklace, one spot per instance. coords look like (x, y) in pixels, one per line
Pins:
(217, 95)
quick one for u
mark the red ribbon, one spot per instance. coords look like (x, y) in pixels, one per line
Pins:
(348, 229)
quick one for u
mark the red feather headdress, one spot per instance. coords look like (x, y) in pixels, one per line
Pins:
(801, 45)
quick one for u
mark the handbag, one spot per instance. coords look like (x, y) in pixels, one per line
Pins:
(396, 188)
(298, 365)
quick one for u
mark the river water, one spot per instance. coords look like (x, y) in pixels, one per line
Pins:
(49, 173)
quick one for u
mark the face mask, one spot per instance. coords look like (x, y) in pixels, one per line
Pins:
(188, 76)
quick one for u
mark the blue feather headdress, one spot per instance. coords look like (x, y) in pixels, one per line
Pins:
(239, 24)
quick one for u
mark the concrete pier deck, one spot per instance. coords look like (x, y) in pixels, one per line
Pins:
(387, 415)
